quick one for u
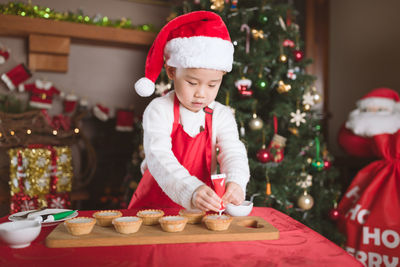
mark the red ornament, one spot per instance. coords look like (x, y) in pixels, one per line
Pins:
(327, 164)
(298, 55)
(263, 155)
(334, 214)
(247, 93)
(288, 43)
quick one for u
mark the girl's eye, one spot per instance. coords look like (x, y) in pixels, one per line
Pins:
(191, 83)
(212, 85)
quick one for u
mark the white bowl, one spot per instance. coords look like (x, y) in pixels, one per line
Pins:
(20, 234)
(243, 209)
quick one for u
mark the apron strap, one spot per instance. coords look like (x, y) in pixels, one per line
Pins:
(176, 113)
(209, 113)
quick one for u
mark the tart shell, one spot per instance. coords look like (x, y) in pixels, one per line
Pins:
(75, 227)
(172, 226)
(106, 220)
(193, 217)
(127, 227)
(150, 219)
(217, 224)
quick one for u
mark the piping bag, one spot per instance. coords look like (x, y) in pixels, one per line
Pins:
(53, 217)
(218, 181)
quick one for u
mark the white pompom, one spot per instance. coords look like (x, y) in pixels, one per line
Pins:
(144, 87)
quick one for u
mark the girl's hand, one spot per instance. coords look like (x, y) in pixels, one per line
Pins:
(233, 194)
(204, 198)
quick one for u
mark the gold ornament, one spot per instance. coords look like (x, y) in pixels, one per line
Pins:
(283, 88)
(294, 131)
(316, 95)
(306, 201)
(283, 58)
(217, 5)
(256, 123)
(257, 34)
(317, 98)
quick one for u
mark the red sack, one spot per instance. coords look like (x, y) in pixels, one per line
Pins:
(370, 209)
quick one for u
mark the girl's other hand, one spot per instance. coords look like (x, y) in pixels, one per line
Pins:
(233, 194)
(204, 198)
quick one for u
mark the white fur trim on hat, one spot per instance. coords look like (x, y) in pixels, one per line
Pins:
(200, 52)
(100, 114)
(243, 82)
(376, 102)
(71, 97)
(144, 87)
(8, 81)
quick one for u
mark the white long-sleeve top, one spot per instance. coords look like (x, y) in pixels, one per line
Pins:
(172, 177)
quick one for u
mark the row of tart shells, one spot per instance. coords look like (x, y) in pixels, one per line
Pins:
(131, 224)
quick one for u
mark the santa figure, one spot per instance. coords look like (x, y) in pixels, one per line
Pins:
(378, 112)
(42, 93)
(369, 209)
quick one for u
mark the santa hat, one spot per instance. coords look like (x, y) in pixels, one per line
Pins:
(16, 76)
(101, 112)
(195, 40)
(380, 97)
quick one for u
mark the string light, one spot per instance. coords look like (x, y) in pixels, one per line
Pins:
(12, 132)
(29, 131)
(1, 135)
(76, 130)
(55, 132)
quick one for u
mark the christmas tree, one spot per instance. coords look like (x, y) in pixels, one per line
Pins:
(274, 103)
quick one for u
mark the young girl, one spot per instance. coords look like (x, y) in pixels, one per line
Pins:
(184, 129)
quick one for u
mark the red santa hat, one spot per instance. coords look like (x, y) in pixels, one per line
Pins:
(198, 39)
(101, 112)
(16, 76)
(380, 97)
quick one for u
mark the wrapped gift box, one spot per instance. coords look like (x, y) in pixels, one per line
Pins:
(40, 176)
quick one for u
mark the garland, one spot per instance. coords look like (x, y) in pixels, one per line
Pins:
(34, 11)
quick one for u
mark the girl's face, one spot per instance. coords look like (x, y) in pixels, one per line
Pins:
(195, 88)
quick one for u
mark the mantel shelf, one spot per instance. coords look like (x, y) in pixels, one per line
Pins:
(12, 25)
(49, 40)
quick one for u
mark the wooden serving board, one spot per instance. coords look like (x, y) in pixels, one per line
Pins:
(241, 229)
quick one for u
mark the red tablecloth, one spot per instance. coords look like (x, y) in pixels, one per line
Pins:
(297, 246)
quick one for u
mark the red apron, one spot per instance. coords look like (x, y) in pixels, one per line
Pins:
(194, 153)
